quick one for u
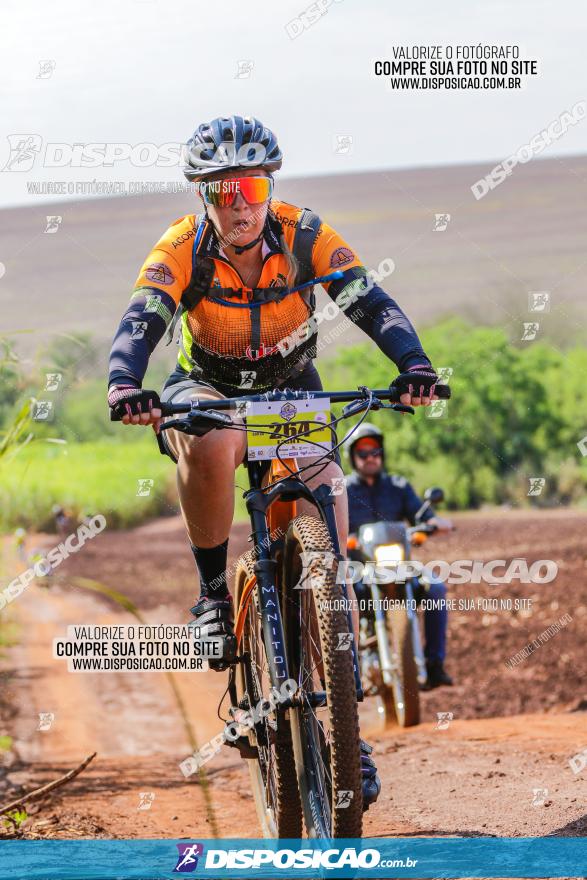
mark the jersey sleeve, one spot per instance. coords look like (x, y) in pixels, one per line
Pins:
(161, 281)
(331, 252)
(164, 269)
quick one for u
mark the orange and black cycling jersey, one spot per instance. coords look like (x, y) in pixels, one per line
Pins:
(234, 329)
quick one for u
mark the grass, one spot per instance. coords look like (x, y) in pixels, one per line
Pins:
(85, 478)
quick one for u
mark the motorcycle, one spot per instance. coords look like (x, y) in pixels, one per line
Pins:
(393, 665)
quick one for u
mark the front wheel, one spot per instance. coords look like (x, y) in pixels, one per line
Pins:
(325, 723)
(273, 771)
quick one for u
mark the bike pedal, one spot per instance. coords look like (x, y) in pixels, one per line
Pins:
(246, 750)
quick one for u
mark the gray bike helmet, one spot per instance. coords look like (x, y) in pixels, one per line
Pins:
(230, 142)
(364, 430)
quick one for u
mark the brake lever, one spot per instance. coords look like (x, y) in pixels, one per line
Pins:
(377, 404)
(399, 407)
(355, 406)
(194, 423)
(221, 419)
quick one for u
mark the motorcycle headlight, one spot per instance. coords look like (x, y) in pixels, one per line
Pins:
(389, 553)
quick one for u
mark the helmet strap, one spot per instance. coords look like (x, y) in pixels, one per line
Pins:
(240, 249)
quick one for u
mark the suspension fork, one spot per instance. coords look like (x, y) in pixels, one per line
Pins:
(258, 502)
(265, 568)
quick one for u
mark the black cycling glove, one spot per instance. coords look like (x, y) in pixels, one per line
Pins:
(417, 381)
(127, 400)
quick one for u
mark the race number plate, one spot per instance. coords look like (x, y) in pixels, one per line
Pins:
(288, 420)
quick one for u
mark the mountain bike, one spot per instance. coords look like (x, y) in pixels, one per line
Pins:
(293, 613)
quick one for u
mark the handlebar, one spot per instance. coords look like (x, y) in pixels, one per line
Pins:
(392, 395)
(212, 410)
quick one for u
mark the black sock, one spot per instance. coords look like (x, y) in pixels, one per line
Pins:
(211, 562)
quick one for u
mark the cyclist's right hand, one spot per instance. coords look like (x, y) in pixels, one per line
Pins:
(134, 406)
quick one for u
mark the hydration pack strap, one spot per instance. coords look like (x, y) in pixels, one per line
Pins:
(303, 244)
(258, 296)
(203, 274)
(199, 283)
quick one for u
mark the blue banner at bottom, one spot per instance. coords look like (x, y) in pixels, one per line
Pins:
(229, 858)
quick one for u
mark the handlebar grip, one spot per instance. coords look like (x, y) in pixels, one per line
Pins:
(441, 391)
(167, 409)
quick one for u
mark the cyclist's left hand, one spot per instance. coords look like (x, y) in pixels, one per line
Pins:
(417, 386)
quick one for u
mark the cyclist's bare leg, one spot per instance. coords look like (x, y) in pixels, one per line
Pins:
(205, 477)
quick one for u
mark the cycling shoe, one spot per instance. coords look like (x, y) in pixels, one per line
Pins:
(215, 619)
(371, 781)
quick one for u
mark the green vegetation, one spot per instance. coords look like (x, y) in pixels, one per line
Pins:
(78, 459)
(518, 412)
(12, 820)
(85, 478)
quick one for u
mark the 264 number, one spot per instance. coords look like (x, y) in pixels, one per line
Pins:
(281, 430)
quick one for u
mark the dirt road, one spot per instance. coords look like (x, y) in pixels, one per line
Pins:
(479, 776)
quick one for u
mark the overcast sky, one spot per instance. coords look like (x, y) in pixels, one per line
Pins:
(136, 71)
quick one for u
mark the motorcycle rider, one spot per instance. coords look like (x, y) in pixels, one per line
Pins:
(373, 496)
(245, 250)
